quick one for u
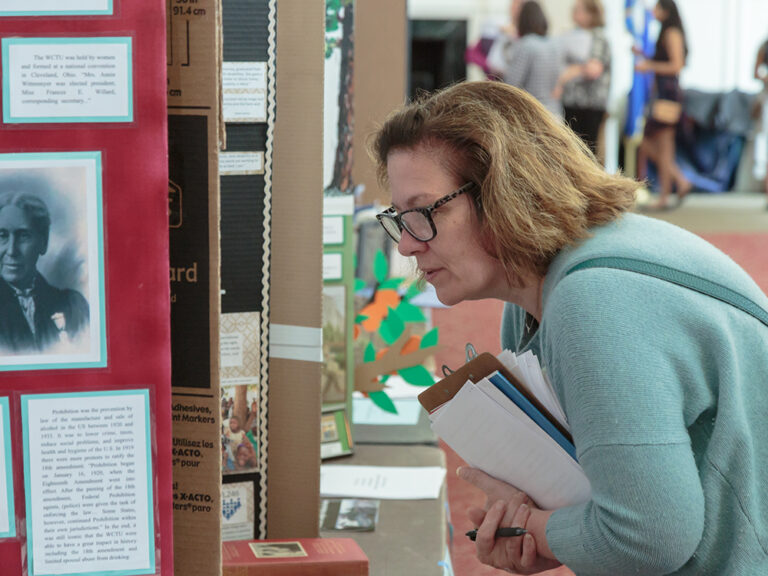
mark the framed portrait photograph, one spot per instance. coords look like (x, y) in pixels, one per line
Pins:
(52, 305)
(335, 433)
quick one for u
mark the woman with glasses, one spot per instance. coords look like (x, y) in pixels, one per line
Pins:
(655, 342)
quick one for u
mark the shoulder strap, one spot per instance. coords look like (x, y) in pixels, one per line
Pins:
(691, 281)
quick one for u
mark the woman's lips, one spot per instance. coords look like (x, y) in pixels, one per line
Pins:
(430, 273)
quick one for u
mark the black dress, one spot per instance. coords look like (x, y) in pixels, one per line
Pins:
(666, 87)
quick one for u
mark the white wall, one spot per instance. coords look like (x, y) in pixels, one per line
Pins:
(723, 37)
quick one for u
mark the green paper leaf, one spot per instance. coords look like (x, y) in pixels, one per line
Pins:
(413, 290)
(383, 401)
(417, 375)
(380, 267)
(410, 313)
(370, 354)
(360, 318)
(391, 284)
(391, 327)
(383, 379)
(429, 339)
(359, 284)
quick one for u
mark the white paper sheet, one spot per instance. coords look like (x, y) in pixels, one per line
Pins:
(237, 511)
(382, 482)
(88, 483)
(505, 443)
(86, 79)
(55, 6)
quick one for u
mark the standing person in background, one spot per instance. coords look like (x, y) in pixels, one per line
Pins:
(496, 59)
(533, 62)
(760, 167)
(658, 143)
(585, 82)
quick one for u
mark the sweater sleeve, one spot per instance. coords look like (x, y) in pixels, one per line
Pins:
(621, 366)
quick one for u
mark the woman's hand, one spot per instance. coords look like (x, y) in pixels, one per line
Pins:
(643, 66)
(507, 506)
(518, 554)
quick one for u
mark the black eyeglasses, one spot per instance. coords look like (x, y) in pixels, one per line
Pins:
(416, 221)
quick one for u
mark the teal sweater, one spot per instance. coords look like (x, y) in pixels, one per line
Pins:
(666, 395)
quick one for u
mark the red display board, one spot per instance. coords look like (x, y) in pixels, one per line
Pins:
(85, 410)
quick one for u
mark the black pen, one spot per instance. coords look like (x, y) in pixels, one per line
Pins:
(500, 533)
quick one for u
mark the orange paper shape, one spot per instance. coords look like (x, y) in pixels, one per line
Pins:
(377, 310)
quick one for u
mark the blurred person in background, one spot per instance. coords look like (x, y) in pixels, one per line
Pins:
(658, 144)
(495, 62)
(585, 82)
(533, 62)
(760, 166)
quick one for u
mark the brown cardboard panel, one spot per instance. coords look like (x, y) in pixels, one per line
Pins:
(293, 481)
(296, 283)
(297, 200)
(381, 43)
(194, 134)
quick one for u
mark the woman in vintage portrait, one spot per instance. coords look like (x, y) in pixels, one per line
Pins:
(35, 315)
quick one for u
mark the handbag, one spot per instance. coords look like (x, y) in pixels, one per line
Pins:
(666, 111)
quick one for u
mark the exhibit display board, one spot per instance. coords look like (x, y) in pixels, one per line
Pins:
(338, 234)
(85, 405)
(295, 348)
(194, 134)
(245, 174)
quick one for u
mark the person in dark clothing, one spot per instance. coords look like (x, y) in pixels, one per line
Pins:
(34, 315)
(658, 143)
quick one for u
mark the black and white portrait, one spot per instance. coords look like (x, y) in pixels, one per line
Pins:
(50, 247)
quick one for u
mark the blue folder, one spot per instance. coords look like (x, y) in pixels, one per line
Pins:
(509, 390)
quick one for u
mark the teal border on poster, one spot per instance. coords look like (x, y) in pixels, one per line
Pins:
(70, 12)
(150, 495)
(101, 361)
(4, 407)
(9, 119)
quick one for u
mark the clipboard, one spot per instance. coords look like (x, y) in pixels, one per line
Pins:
(474, 370)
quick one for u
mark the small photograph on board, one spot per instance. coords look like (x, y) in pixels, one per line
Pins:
(334, 372)
(349, 514)
(335, 433)
(239, 428)
(277, 549)
(329, 432)
(51, 261)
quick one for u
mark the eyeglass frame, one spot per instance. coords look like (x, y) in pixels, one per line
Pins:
(391, 214)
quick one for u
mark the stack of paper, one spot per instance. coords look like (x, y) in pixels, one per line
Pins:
(494, 426)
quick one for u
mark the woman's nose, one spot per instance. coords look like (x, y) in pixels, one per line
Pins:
(408, 245)
(12, 245)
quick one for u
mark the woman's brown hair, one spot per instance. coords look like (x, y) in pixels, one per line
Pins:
(596, 13)
(538, 187)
